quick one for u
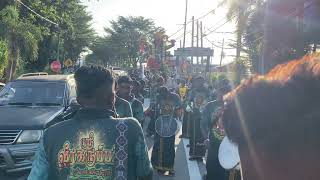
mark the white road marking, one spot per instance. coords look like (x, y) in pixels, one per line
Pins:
(194, 171)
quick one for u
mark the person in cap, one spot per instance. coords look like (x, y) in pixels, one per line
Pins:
(124, 91)
(93, 144)
(275, 120)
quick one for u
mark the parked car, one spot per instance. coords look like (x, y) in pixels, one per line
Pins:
(1, 85)
(28, 106)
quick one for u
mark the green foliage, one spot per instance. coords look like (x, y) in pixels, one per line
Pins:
(253, 34)
(249, 30)
(22, 38)
(40, 40)
(121, 45)
(3, 56)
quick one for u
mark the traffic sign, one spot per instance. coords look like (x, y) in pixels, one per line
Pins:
(55, 66)
(68, 63)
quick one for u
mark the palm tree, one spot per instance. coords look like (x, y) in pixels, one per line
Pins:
(21, 36)
(240, 11)
(253, 36)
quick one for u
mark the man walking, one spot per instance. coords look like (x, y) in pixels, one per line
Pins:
(93, 144)
(166, 127)
(124, 91)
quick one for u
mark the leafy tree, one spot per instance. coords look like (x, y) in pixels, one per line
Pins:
(253, 35)
(22, 38)
(103, 52)
(240, 9)
(69, 39)
(249, 17)
(125, 35)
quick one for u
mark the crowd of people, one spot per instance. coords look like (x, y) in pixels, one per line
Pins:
(272, 119)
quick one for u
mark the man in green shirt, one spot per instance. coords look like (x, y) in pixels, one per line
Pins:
(93, 144)
(122, 108)
(124, 91)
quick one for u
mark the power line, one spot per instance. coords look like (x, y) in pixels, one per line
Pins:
(212, 43)
(201, 17)
(212, 31)
(181, 36)
(176, 32)
(37, 13)
(212, 11)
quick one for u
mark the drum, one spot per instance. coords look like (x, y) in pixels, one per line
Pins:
(229, 155)
(166, 126)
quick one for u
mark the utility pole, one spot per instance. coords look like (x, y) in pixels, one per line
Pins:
(184, 34)
(201, 34)
(197, 40)
(201, 40)
(222, 52)
(192, 32)
(185, 25)
(192, 37)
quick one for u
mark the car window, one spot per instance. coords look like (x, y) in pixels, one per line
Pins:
(33, 93)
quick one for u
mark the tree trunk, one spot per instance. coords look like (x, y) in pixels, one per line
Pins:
(239, 44)
(13, 54)
(239, 36)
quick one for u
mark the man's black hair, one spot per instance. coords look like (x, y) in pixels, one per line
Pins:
(142, 82)
(124, 79)
(90, 78)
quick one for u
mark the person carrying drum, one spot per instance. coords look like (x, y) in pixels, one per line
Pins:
(197, 147)
(196, 85)
(211, 130)
(151, 112)
(166, 128)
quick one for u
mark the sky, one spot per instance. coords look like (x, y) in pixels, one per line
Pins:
(168, 14)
